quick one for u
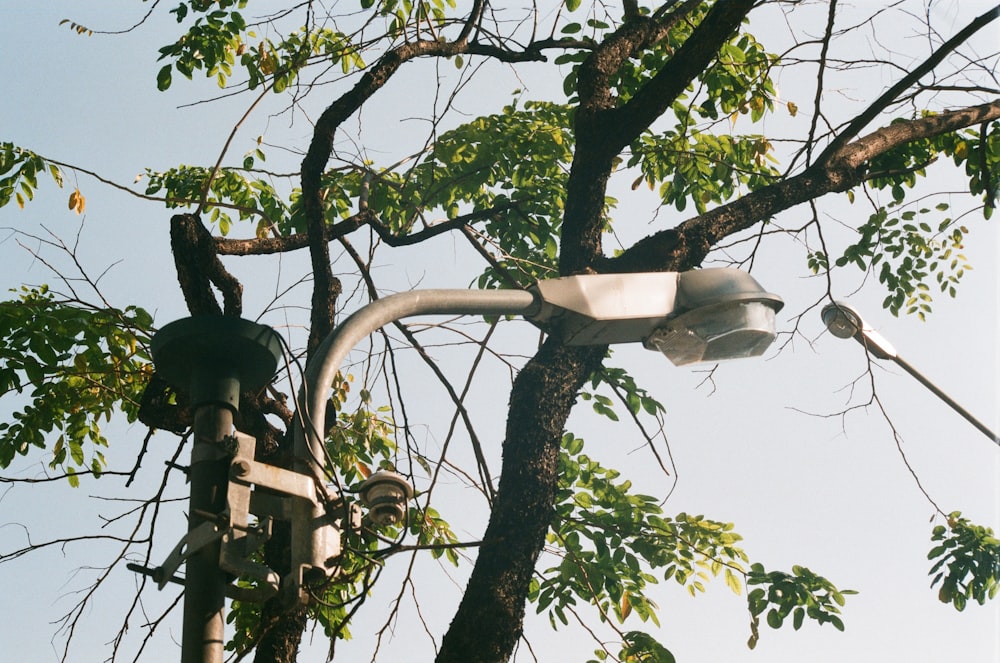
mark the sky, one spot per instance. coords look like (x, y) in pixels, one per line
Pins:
(784, 447)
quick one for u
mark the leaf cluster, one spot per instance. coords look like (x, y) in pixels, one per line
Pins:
(637, 647)
(800, 594)
(636, 398)
(210, 44)
(19, 170)
(614, 544)
(691, 163)
(701, 167)
(77, 365)
(403, 13)
(466, 169)
(979, 152)
(230, 190)
(360, 440)
(968, 562)
(911, 252)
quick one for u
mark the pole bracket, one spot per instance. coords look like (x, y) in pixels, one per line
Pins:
(247, 523)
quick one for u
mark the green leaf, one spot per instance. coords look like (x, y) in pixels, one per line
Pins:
(163, 78)
(774, 618)
(84, 363)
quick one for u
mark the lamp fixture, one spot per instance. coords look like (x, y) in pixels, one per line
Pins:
(843, 321)
(702, 315)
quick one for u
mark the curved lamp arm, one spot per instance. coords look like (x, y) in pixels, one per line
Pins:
(703, 315)
(334, 348)
(309, 549)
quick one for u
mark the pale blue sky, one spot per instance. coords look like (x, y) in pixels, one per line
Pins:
(827, 492)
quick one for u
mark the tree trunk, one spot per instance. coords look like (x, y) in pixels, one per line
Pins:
(489, 620)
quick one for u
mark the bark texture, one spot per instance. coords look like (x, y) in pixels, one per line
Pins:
(488, 622)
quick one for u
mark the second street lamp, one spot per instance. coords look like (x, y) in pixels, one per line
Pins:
(843, 321)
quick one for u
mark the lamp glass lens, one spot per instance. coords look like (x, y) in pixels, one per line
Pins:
(714, 333)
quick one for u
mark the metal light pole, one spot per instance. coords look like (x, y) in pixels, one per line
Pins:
(704, 315)
(843, 321)
(213, 359)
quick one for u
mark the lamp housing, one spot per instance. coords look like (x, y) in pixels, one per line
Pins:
(703, 315)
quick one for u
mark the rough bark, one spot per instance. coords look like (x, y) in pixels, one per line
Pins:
(198, 268)
(604, 127)
(326, 287)
(686, 245)
(488, 622)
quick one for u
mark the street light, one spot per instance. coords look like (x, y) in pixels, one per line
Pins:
(705, 315)
(843, 321)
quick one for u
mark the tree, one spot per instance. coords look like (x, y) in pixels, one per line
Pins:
(674, 97)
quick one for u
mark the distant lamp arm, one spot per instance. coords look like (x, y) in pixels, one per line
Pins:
(906, 366)
(843, 321)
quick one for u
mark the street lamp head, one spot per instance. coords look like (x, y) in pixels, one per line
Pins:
(843, 321)
(722, 313)
(702, 315)
(732, 330)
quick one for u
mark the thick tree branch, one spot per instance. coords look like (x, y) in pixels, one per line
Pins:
(686, 246)
(326, 287)
(691, 59)
(602, 130)
(856, 154)
(891, 95)
(367, 217)
(198, 268)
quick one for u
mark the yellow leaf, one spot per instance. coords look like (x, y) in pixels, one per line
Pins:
(733, 582)
(793, 110)
(263, 227)
(626, 606)
(20, 200)
(265, 61)
(77, 202)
